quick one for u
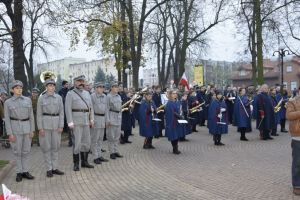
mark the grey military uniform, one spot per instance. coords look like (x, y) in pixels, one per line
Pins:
(114, 117)
(50, 117)
(78, 112)
(19, 121)
(97, 132)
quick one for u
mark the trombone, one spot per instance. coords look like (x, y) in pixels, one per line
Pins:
(196, 108)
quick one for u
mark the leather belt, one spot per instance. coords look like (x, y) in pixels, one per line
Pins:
(22, 120)
(80, 110)
(114, 111)
(48, 114)
(99, 114)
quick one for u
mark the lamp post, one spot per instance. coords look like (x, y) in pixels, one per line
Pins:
(282, 53)
(128, 71)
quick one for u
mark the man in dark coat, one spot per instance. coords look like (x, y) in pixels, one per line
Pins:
(265, 114)
(157, 101)
(201, 99)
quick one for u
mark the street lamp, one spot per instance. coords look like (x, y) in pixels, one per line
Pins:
(282, 53)
(128, 71)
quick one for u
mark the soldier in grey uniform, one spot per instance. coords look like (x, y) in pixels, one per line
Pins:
(80, 116)
(113, 120)
(50, 122)
(97, 132)
(19, 123)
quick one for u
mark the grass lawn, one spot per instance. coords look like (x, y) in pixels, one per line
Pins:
(3, 163)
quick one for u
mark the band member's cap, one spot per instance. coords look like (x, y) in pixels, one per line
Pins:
(49, 81)
(219, 92)
(99, 84)
(36, 90)
(79, 78)
(16, 83)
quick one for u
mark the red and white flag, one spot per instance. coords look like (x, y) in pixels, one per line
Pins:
(184, 81)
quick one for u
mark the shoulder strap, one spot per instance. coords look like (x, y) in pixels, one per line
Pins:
(82, 99)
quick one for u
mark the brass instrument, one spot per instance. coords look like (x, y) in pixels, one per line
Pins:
(47, 75)
(278, 106)
(196, 108)
(161, 108)
(127, 104)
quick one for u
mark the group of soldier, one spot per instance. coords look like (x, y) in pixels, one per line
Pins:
(90, 116)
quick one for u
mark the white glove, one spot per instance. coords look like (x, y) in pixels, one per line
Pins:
(223, 109)
(220, 115)
(251, 108)
(71, 125)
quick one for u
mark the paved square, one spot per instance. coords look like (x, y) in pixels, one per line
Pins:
(239, 170)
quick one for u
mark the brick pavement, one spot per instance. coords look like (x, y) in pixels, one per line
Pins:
(239, 170)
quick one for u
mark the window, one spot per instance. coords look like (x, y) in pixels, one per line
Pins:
(293, 85)
(242, 73)
(289, 68)
(285, 84)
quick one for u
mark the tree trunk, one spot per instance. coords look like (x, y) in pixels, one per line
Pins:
(253, 51)
(18, 51)
(124, 44)
(258, 31)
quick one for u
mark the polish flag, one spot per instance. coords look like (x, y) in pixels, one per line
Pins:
(184, 81)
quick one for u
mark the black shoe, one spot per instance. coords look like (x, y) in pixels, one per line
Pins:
(27, 175)
(220, 144)
(157, 136)
(57, 172)
(151, 147)
(19, 177)
(244, 139)
(97, 161)
(275, 134)
(128, 142)
(176, 151)
(103, 150)
(112, 156)
(194, 130)
(49, 174)
(270, 138)
(146, 146)
(118, 155)
(103, 159)
(122, 142)
(284, 130)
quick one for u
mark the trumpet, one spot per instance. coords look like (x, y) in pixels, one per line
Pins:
(196, 108)
(134, 98)
(278, 106)
(161, 108)
(47, 75)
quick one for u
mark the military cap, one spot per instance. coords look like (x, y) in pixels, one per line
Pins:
(79, 78)
(99, 84)
(35, 90)
(114, 84)
(49, 81)
(218, 92)
(16, 83)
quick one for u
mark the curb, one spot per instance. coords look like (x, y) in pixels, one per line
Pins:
(4, 171)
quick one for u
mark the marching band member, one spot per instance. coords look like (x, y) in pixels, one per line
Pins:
(174, 130)
(99, 101)
(192, 102)
(185, 112)
(19, 124)
(148, 127)
(201, 99)
(157, 100)
(126, 125)
(265, 113)
(242, 114)
(229, 100)
(217, 118)
(50, 122)
(79, 112)
(282, 111)
(275, 104)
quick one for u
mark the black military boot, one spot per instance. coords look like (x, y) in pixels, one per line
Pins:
(219, 140)
(215, 139)
(84, 160)
(76, 162)
(146, 144)
(243, 136)
(19, 177)
(175, 147)
(150, 144)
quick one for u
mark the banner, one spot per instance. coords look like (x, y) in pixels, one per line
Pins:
(198, 74)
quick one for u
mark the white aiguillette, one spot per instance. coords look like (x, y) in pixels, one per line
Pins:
(156, 119)
(231, 98)
(182, 121)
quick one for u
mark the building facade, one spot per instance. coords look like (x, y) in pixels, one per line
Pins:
(59, 67)
(272, 73)
(89, 69)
